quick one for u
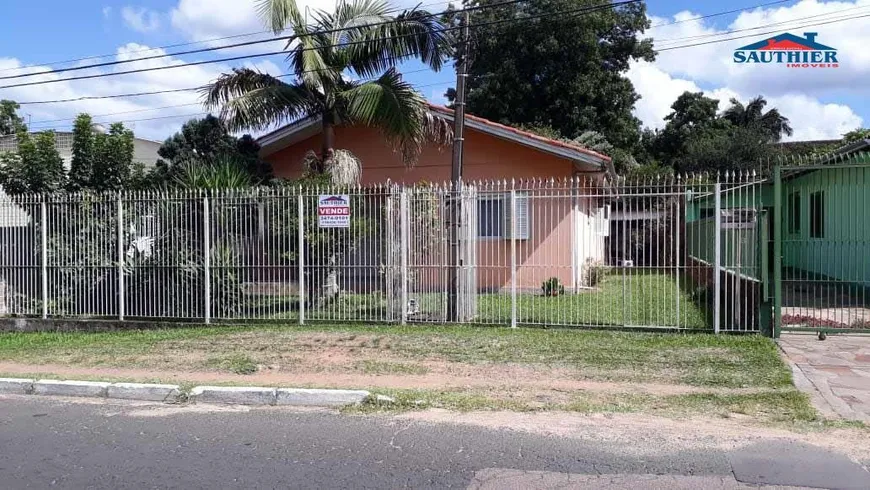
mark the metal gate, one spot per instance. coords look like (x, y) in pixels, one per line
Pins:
(822, 246)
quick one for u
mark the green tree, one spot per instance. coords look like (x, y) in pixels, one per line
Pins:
(207, 141)
(734, 148)
(36, 167)
(856, 135)
(10, 121)
(693, 116)
(752, 115)
(360, 37)
(82, 164)
(562, 71)
(113, 159)
(697, 138)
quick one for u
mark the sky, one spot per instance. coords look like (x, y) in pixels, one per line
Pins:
(821, 103)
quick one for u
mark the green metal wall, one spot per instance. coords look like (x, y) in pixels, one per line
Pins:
(843, 252)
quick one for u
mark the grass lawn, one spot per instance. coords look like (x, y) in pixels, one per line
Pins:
(691, 359)
(638, 298)
(454, 367)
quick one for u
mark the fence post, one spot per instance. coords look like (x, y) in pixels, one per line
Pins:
(403, 229)
(777, 251)
(717, 256)
(514, 256)
(121, 295)
(44, 269)
(301, 236)
(206, 230)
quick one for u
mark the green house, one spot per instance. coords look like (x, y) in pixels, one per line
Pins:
(825, 236)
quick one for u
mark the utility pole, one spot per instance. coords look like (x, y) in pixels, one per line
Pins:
(456, 173)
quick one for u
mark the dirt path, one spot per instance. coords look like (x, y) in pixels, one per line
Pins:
(648, 434)
(502, 377)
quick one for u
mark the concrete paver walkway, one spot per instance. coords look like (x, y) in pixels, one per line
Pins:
(835, 371)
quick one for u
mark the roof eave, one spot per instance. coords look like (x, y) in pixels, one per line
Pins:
(566, 153)
(294, 132)
(277, 140)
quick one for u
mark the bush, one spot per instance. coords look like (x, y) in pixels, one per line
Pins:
(594, 272)
(553, 287)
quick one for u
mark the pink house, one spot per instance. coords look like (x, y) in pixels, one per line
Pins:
(561, 220)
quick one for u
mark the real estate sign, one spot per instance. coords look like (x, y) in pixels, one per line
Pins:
(333, 211)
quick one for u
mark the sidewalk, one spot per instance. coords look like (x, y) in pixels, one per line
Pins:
(836, 372)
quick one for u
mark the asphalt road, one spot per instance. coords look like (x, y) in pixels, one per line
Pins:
(55, 443)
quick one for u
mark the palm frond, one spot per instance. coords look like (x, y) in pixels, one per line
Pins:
(310, 59)
(224, 173)
(277, 14)
(250, 100)
(412, 34)
(343, 168)
(351, 16)
(399, 111)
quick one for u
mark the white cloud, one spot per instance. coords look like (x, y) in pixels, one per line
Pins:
(810, 118)
(436, 96)
(713, 62)
(141, 19)
(135, 108)
(107, 12)
(200, 20)
(798, 94)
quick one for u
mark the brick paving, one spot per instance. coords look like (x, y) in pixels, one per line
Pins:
(835, 372)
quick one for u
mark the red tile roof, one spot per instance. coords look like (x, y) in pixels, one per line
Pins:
(519, 132)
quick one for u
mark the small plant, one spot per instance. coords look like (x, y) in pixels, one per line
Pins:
(553, 287)
(235, 363)
(594, 272)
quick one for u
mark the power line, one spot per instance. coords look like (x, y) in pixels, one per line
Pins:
(236, 58)
(177, 45)
(173, 116)
(764, 26)
(118, 113)
(717, 14)
(236, 45)
(159, 92)
(188, 104)
(761, 33)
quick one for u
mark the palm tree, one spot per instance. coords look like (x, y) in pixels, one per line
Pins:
(345, 72)
(752, 115)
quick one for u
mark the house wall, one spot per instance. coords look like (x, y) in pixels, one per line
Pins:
(558, 219)
(485, 158)
(843, 250)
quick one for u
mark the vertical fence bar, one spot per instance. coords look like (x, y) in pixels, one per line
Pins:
(403, 227)
(717, 256)
(44, 239)
(206, 232)
(121, 295)
(676, 247)
(514, 256)
(301, 235)
(777, 250)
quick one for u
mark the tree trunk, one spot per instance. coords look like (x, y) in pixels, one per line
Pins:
(328, 143)
(323, 282)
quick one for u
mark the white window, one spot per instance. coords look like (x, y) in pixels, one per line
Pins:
(494, 216)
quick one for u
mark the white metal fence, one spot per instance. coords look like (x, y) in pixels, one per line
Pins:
(571, 252)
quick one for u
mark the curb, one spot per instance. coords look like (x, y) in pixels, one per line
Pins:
(233, 395)
(224, 395)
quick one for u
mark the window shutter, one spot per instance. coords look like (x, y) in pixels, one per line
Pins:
(602, 220)
(522, 231)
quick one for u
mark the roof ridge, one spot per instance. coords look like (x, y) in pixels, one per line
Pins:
(529, 134)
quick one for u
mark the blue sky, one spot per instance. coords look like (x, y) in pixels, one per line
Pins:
(821, 105)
